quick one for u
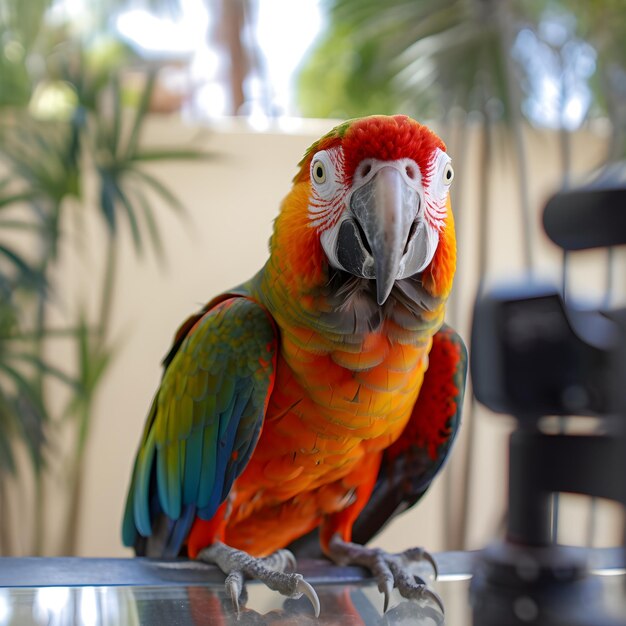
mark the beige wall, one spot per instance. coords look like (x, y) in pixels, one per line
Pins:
(231, 202)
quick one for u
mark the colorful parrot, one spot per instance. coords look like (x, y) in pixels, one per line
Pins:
(323, 394)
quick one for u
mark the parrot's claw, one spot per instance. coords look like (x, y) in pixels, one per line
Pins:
(270, 570)
(387, 588)
(415, 588)
(235, 587)
(389, 570)
(419, 554)
(423, 591)
(303, 587)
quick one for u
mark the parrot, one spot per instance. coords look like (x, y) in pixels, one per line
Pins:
(321, 397)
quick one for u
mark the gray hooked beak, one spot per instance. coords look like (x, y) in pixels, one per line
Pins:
(384, 210)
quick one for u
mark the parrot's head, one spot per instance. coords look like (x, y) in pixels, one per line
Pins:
(371, 202)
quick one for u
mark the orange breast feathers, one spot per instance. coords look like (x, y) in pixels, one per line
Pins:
(323, 434)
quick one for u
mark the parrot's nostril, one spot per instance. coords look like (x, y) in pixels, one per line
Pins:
(412, 232)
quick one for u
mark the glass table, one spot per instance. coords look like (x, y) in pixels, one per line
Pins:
(114, 592)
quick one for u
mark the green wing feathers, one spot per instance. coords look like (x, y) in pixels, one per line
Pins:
(206, 417)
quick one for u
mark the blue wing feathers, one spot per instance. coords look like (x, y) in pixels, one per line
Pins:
(140, 485)
(204, 422)
(193, 463)
(208, 466)
(179, 531)
(129, 529)
(161, 466)
(236, 433)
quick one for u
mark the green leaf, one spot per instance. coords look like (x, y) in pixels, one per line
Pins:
(140, 115)
(37, 153)
(107, 199)
(151, 223)
(49, 333)
(94, 358)
(132, 218)
(160, 189)
(25, 196)
(22, 225)
(24, 385)
(31, 417)
(42, 366)
(117, 114)
(7, 430)
(148, 155)
(30, 275)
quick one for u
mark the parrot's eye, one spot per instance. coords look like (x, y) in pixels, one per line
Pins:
(448, 174)
(319, 172)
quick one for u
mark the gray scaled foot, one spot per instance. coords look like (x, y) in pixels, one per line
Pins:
(389, 570)
(270, 570)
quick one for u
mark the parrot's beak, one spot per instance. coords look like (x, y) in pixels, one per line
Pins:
(384, 209)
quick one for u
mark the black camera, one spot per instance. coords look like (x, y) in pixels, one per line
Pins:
(534, 356)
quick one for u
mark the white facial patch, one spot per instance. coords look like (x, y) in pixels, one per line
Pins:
(440, 176)
(328, 187)
(342, 214)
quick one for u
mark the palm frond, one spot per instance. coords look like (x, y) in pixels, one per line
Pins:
(27, 274)
(26, 414)
(140, 115)
(94, 357)
(147, 155)
(107, 199)
(160, 189)
(151, 223)
(131, 214)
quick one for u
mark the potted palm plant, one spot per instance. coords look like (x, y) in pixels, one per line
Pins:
(69, 144)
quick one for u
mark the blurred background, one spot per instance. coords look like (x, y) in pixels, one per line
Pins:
(144, 149)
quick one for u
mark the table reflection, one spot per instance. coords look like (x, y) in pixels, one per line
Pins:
(136, 592)
(345, 605)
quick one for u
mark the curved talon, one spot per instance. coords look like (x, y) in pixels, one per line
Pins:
(305, 588)
(235, 600)
(386, 590)
(427, 556)
(419, 554)
(426, 592)
(389, 570)
(233, 585)
(429, 593)
(237, 564)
